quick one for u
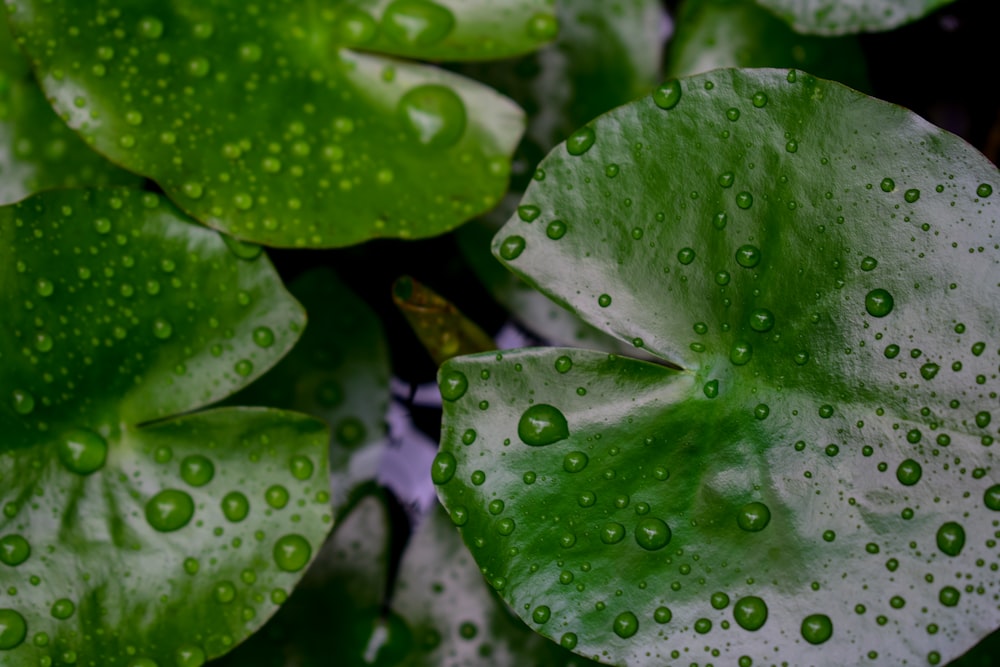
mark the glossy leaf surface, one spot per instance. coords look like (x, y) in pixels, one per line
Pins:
(127, 533)
(824, 269)
(261, 121)
(455, 619)
(739, 33)
(839, 17)
(338, 372)
(37, 150)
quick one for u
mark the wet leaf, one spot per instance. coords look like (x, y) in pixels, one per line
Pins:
(817, 484)
(442, 329)
(839, 17)
(130, 535)
(338, 372)
(337, 608)
(455, 618)
(261, 121)
(37, 150)
(739, 33)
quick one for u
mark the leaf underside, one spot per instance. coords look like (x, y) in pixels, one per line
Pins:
(824, 270)
(840, 17)
(129, 534)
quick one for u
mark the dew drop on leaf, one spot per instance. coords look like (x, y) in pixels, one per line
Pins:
(817, 628)
(235, 506)
(416, 22)
(276, 496)
(556, 230)
(62, 609)
(951, 538)
(263, 337)
(949, 596)
(82, 452)
(512, 247)
(747, 256)
(542, 425)
(662, 615)
(356, 27)
(612, 533)
(23, 402)
(740, 353)
(14, 550)
(879, 303)
(984, 190)
(197, 470)
(887, 185)
(761, 320)
(909, 472)
(432, 114)
(753, 517)
(667, 95)
(652, 534)
(443, 468)
(13, 629)
(580, 141)
(991, 498)
(626, 624)
(169, 510)
(575, 462)
(453, 385)
(543, 27)
(750, 613)
(292, 552)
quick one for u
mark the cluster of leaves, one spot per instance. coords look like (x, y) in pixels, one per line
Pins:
(768, 428)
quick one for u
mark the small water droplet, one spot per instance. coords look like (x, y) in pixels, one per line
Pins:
(748, 256)
(575, 462)
(879, 303)
(62, 609)
(82, 452)
(263, 337)
(604, 300)
(652, 534)
(750, 613)
(416, 22)
(744, 200)
(991, 497)
(711, 388)
(984, 190)
(556, 230)
(685, 256)
(760, 100)
(563, 364)
(911, 195)
(740, 353)
(512, 247)
(580, 141)
(719, 600)
(929, 370)
(626, 624)
(150, 27)
(453, 385)
(951, 538)
(949, 596)
(169, 510)
(528, 213)
(817, 628)
(541, 425)
(541, 614)
(197, 470)
(356, 27)
(235, 506)
(761, 320)
(292, 552)
(433, 114)
(887, 185)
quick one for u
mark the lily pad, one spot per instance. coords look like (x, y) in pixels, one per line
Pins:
(455, 619)
(37, 150)
(261, 120)
(739, 33)
(131, 536)
(338, 372)
(839, 17)
(817, 484)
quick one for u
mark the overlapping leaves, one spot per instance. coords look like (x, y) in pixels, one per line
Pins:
(824, 270)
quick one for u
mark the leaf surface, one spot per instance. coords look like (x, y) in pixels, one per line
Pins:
(824, 269)
(264, 122)
(839, 17)
(129, 535)
(37, 150)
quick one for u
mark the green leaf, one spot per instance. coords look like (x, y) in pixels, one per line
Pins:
(260, 121)
(820, 453)
(337, 608)
(455, 618)
(37, 150)
(129, 535)
(839, 17)
(738, 33)
(338, 372)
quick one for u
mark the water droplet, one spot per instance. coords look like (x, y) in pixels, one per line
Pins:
(667, 95)
(753, 517)
(612, 533)
(626, 624)
(929, 370)
(991, 497)
(760, 100)
(62, 609)
(276, 496)
(740, 353)
(868, 264)
(652, 534)
(685, 256)
(984, 190)
(575, 462)
(243, 367)
(761, 319)
(512, 247)
(44, 287)
(528, 213)
(224, 592)
(263, 337)
(879, 303)
(23, 402)
(722, 278)
(556, 230)
(726, 180)
(748, 256)
(908, 473)
(453, 385)
(580, 141)
(949, 596)
(443, 468)
(711, 388)
(568, 641)
(197, 470)
(702, 626)
(541, 425)
(541, 614)
(356, 27)
(744, 200)
(150, 27)
(235, 506)
(292, 552)
(563, 364)
(951, 538)
(817, 628)
(188, 655)
(162, 329)
(13, 629)
(911, 195)
(543, 27)
(604, 300)
(750, 613)
(169, 510)
(505, 526)
(983, 419)
(432, 114)
(887, 185)
(416, 22)
(719, 600)
(14, 550)
(82, 452)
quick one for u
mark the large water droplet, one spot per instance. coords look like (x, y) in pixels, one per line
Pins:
(512, 247)
(356, 27)
(189, 655)
(82, 451)
(626, 624)
(575, 461)
(740, 353)
(949, 596)
(292, 552)
(62, 609)
(235, 506)
(668, 94)
(580, 141)
(761, 320)
(443, 468)
(817, 628)
(433, 114)
(753, 517)
(879, 303)
(453, 385)
(612, 533)
(416, 22)
(748, 256)
(541, 425)
(13, 629)
(991, 498)
(908, 473)
(750, 613)
(652, 534)
(197, 470)
(23, 401)
(541, 614)
(14, 550)
(169, 510)
(951, 538)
